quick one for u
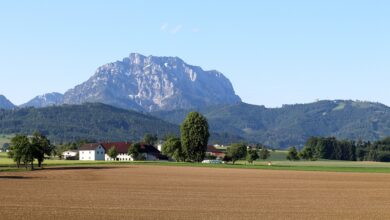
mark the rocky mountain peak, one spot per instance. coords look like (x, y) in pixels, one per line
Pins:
(151, 83)
(45, 100)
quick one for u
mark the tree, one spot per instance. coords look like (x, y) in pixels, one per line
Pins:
(236, 152)
(22, 150)
(18, 143)
(252, 155)
(150, 139)
(264, 153)
(135, 151)
(194, 136)
(292, 154)
(226, 159)
(42, 147)
(28, 152)
(172, 148)
(112, 152)
(307, 153)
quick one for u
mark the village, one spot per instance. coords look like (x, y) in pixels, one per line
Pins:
(99, 152)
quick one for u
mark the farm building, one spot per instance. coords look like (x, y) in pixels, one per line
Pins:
(98, 151)
(69, 154)
(211, 150)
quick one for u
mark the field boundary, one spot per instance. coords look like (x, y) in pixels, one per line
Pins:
(321, 168)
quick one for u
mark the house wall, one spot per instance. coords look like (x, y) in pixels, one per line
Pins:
(120, 157)
(87, 155)
(126, 157)
(67, 154)
(99, 153)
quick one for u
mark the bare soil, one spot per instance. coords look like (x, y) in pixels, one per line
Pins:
(161, 192)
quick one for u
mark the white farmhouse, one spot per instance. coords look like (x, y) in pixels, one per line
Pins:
(92, 152)
(98, 151)
(69, 154)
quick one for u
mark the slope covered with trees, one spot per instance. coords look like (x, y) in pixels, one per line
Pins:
(96, 122)
(292, 125)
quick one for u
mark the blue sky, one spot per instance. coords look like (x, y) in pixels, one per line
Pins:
(274, 52)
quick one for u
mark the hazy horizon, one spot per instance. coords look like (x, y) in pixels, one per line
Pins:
(274, 53)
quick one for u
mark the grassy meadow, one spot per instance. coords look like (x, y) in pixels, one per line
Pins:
(277, 159)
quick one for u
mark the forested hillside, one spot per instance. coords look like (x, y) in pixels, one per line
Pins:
(92, 122)
(89, 121)
(294, 124)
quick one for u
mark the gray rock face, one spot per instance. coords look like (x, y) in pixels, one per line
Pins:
(5, 103)
(45, 100)
(154, 83)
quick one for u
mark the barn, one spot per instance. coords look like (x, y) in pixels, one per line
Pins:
(98, 151)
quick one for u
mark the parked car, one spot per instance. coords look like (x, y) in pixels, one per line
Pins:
(212, 161)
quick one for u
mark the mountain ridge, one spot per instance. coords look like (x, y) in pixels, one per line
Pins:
(5, 103)
(153, 83)
(45, 100)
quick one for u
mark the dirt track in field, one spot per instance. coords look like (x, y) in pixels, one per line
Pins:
(158, 192)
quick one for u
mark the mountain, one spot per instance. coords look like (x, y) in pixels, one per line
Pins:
(154, 83)
(293, 124)
(45, 100)
(92, 121)
(5, 103)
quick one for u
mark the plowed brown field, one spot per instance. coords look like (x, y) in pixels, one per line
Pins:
(160, 192)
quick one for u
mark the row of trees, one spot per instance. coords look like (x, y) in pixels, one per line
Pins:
(241, 151)
(26, 149)
(192, 145)
(332, 149)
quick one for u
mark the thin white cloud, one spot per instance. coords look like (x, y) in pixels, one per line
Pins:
(164, 27)
(176, 29)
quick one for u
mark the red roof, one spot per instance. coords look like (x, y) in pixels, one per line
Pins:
(212, 149)
(121, 147)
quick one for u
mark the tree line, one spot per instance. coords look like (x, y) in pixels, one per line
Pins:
(333, 149)
(241, 151)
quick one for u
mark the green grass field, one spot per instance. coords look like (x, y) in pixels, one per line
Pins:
(278, 163)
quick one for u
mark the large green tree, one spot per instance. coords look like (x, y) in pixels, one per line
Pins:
(252, 155)
(194, 136)
(22, 150)
(236, 152)
(42, 147)
(173, 148)
(16, 149)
